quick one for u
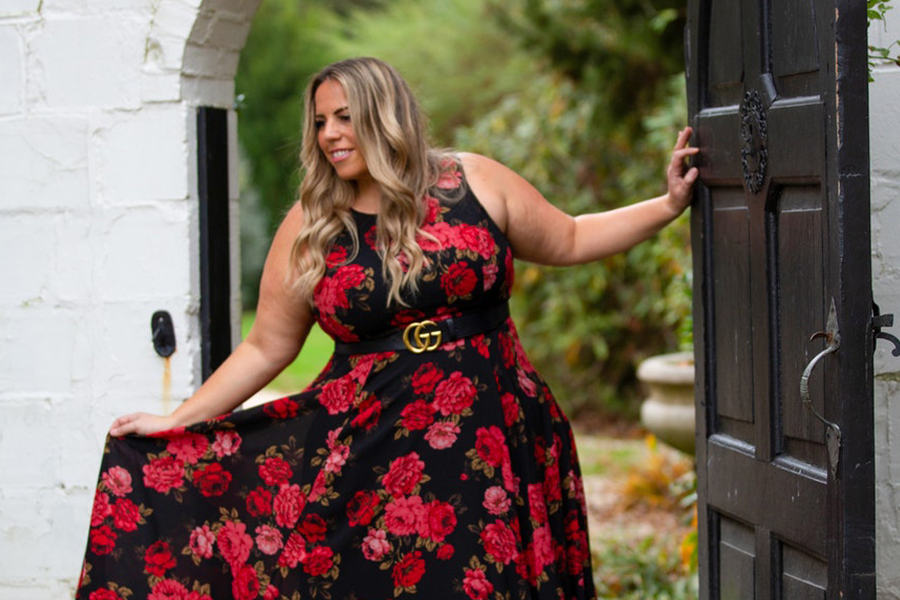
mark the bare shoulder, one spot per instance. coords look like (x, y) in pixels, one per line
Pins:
(486, 177)
(481, 167)
(293, 221)
(278, 260)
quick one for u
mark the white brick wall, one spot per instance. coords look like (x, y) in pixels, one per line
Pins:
(98, 229)
(884, 128)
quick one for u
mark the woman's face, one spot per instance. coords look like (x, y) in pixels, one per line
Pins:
(334, 132)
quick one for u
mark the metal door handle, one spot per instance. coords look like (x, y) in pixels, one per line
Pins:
(832, 336)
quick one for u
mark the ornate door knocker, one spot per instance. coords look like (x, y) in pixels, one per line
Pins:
(754, 155)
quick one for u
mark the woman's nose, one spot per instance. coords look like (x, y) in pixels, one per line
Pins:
(329, 131)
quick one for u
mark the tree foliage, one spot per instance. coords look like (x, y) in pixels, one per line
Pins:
(454, 53)
(290, 41)
(287, 44)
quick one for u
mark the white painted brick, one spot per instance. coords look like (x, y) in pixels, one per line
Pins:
(39, 351)
(891, 391)
(208, 92)
(886, 222)
(217, 31)
(192, 3)
(164, 52)
(203, 27)
(90, 61)
(95, 6)
(43, 535)
(884, 121)
(213, 63)
(47, 260)
(78, 464)
(884, 118)
(11, 92)
(141, 253)
(12, 8)
(887, 489)
(37, 589)
(34, 469)
(157, 86)
(126, 367)
(49, 157)
(175, 18)
(140, 155)
(172, 23)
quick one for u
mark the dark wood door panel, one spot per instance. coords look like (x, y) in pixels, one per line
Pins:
(796, 134)
(776, 93)
(721, 161)
(803, 577)
(748, 489)
(731, 276)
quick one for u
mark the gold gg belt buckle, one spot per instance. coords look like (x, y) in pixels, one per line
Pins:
(421, 341)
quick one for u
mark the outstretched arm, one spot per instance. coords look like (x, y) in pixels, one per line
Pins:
(541, 233)
(283, 321)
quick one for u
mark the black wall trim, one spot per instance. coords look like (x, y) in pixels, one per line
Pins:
(215, 256)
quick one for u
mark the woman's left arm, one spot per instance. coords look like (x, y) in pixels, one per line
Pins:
(539, 232)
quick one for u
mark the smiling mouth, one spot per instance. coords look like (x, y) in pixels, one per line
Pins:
(338, 155)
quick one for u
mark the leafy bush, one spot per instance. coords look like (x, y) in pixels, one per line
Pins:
(587, 327)
(651, 569)
(659, 481)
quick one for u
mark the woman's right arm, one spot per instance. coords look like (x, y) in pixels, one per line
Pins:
(283, 321)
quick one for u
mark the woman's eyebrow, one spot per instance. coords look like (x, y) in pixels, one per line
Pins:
(336, 111)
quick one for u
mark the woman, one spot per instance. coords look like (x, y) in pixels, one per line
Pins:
(428, 459)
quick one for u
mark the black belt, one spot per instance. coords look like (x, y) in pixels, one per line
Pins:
(428, 335)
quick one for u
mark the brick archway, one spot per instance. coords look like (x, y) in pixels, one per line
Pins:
(201, 46)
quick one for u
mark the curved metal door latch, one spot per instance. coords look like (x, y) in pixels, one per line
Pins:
(878, 321)
(832, 336)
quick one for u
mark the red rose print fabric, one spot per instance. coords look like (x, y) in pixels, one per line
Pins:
(447, 474)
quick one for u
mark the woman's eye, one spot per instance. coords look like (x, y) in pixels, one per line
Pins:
(318, 124)
(344, 118)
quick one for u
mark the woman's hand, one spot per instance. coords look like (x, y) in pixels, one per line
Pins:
(681, 182)
(140, 424)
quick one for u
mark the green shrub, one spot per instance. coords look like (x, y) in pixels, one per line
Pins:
(587, 327)
(650, 569)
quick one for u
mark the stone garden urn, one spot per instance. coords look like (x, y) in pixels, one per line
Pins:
(668, 411)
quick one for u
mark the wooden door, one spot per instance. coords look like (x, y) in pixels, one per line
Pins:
(778, 99)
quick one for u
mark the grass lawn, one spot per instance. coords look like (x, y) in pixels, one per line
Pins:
(315, 354)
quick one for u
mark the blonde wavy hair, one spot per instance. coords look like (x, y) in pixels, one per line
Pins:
(390, 133)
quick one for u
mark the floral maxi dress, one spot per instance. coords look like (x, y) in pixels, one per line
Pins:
(445, 474)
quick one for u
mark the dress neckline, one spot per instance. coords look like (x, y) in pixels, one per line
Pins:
(363, 214)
